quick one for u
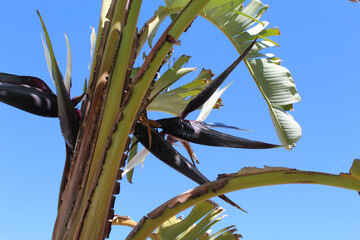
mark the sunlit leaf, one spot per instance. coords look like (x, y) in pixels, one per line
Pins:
(171, 76)
(240, 23)
(202, 217)
(174, 101)
(287, 129)
(244, 179)
(204, 224)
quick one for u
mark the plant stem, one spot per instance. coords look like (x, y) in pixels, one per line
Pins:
(234, 183)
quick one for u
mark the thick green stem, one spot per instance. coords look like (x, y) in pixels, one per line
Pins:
(239, 182)
(104, 10)
(101, 198)
(99, 207)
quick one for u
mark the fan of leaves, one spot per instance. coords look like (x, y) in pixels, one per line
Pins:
(241, 24)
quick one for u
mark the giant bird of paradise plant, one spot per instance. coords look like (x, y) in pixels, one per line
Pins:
(114, 106)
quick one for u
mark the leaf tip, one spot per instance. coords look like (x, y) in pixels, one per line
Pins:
(355, 168)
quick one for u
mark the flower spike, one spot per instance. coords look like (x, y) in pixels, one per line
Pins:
(27, 93)
(163, 150)
(197, 132)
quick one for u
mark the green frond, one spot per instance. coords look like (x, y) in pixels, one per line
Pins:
(241, 24)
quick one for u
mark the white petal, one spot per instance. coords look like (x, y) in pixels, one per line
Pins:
(139, 157)
(209, 104)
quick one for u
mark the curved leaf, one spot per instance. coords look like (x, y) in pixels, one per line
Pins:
(177, 228)
(68, 120)
(92, 45)
(241, 24)
(287, 128)
(67, 80)
(171, 76)
(47, 58)
(138, 158)
(196, 225)
(174, 101)
(244, 179)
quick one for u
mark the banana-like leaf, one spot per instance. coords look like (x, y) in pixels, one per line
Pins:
(174, 101)
(226, 233)
(246, 178)
(204, 225)
(285, 125)
(241, 24)
(171, 76)
(68, 120)
(202, 217)
(129, 170)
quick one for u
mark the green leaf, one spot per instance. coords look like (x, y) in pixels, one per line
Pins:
(171, 76)
(250, 17)
(132, 154)
(175, 101)
(158, 18)
(174, 227)
(68, 122)
(201, 218)
(246, 178)
(138, 158)
(241, 24)
(222, 232)
(287, 129)
(204, 224)
(276, 82)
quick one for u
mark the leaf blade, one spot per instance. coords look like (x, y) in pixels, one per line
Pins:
(68, 120)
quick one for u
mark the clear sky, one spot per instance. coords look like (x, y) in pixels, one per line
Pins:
(319, 44)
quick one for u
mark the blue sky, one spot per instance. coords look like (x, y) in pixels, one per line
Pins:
(319, 45)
